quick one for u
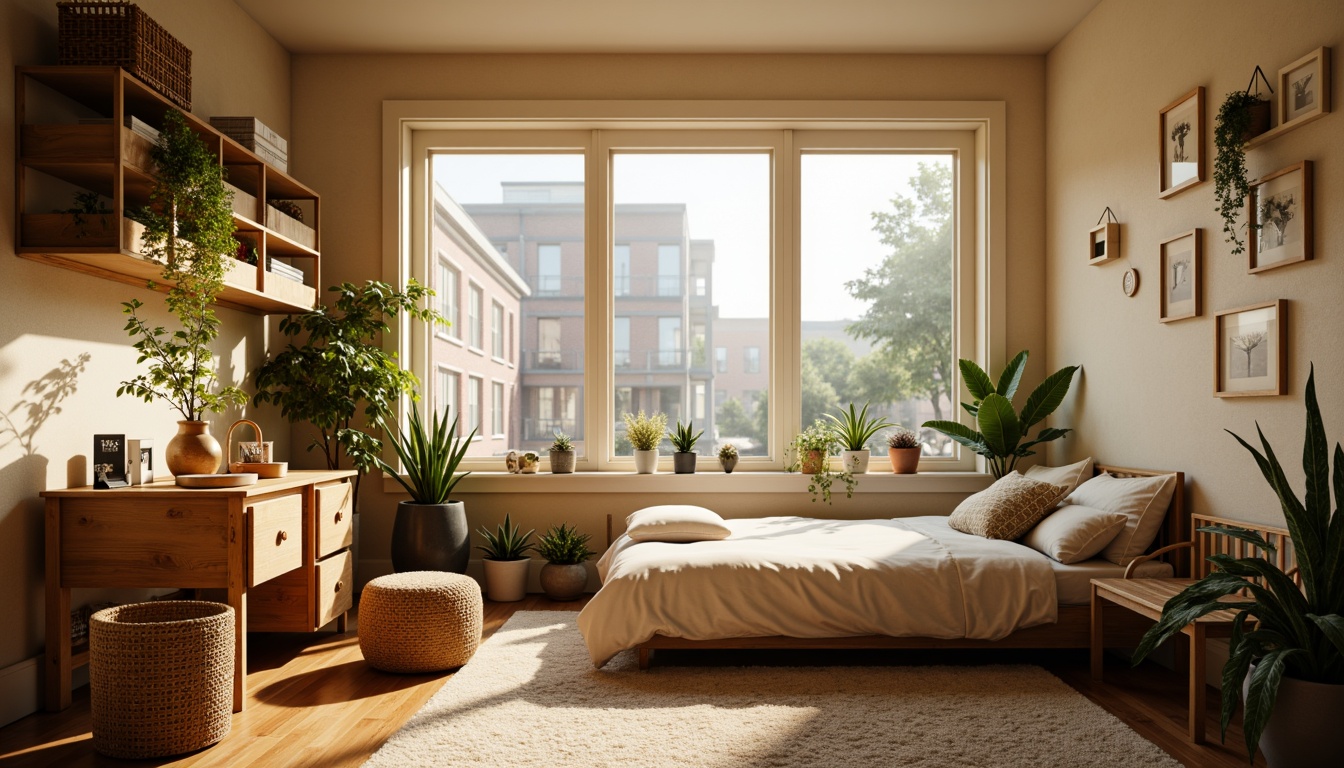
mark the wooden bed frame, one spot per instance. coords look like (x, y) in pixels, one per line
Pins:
(1071, 630)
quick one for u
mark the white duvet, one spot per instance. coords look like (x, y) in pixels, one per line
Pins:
(807, 578)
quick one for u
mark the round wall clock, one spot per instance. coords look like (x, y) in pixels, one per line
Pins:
(1130, 282)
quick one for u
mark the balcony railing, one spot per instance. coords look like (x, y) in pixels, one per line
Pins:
(555, 285)
(556, 360)
(545, 429)
(646, 286)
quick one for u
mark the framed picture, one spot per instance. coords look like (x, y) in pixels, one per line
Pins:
(1250, 355)
(1304, 88)
(1280, 212)
(1104, 243)
(1179, 258)
(1181, 135)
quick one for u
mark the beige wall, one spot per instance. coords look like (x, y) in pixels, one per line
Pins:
(49, 317)
(336, 148)
(1145, 396)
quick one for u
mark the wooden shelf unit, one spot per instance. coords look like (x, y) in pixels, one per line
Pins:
(114, 161)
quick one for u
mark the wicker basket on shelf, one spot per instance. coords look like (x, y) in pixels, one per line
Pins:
(118, 33)
(160, 677)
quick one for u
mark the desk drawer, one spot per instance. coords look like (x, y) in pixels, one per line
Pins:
(334, 529)
(276, 538)
(335, 586)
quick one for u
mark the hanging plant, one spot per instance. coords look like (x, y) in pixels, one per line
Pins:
(1234, 126)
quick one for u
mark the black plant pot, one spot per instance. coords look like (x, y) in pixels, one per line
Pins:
(683, 463)
(431, 537)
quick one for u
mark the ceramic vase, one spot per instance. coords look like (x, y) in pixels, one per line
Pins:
(193, 450)
(506, 580)
(855, 462)
(646, 462)
(431, 537)
(564, 582)
(729, 464)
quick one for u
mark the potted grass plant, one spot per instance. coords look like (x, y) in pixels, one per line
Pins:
(903, 450)
(506, 561)
(430, 531)
(1288, 666)
(683, 441)
(561, 454)
(810, 454)
(728, 457)
(853, 429)
(645, 433)
(564, 549)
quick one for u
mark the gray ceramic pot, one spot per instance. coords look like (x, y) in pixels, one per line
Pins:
(729, 464)
(562, 462)
(683, 463)
(431, 537)
(1303, 728)
(564, 582)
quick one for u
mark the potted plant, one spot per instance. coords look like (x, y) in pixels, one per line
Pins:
(341, 372)
(1002, 430)
(1289, 667)
(645, 433)
(561, 455)
(1241, 117)
(903, 450)
(683, 440)
(564, 576)
(430, 531)
(189, 232)
(728, 457)
(854, 430)
(811, 451)
(506, 562)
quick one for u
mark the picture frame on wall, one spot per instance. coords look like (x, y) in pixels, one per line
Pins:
(1181, 138)
(1179, 260)
(1304, 89)
(1250, 350)
(1279, 208)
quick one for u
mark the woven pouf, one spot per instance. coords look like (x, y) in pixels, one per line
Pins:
(420, 621)
(160, 677)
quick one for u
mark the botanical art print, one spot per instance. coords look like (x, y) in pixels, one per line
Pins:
(1280, 208)
(1182, 127)
(1304, 88)
(1250, 351)
(1179, 261)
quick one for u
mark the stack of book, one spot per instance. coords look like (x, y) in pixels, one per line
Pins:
(284, 270)
(256, 136)
(134, 123)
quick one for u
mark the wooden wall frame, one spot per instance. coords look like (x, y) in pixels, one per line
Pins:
(1103, 243)
(1187, 109)
(1302, 211)
(1276, 358)
(1187, 308)
(1315, 65)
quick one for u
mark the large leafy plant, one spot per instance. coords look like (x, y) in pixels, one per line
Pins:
(1003, 434)
(1298, 630)
(854, 428)
(430, 458)
(189, 232)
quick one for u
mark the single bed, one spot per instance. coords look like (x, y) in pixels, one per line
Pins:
(790, 582)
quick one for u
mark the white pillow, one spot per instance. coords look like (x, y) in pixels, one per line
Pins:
(1070, 476)
(675, 523)
(1075, 533)
(1142, 500)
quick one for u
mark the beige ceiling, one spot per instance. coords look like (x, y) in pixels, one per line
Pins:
(669, 26)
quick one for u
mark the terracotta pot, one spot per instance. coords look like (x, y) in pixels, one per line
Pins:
(562, 462)
(1303, 728)
(904, 461)
(855, 461)
(646, 462)
(729, 464)
(814, 463)
(506, 580)
(564, 582)
(683, 463)
(193, 451)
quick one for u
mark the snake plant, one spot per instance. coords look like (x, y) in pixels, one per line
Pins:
(430, 458)
(506, 543)
(683, 438)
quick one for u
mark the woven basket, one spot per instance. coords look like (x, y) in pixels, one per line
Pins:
(421, 621)
(114, 32)
(160, 677)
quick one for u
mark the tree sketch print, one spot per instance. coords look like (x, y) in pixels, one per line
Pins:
(1179, 283)
(1277, 211)
(1248, 343)
(1302, 98)
(1178, 135)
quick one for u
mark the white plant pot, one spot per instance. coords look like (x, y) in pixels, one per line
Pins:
(855, 461)
(646, 462)
(506, 580)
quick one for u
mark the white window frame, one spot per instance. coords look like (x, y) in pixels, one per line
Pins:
(497, 346)
(455, 411)
(499, 425)
(452, 331)
(977, 128)
(475, 321)
(476, 387)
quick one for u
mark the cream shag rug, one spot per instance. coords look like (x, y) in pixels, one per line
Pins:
(530, 697)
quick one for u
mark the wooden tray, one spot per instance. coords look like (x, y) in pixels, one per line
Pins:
(264, 469)
(217, 481)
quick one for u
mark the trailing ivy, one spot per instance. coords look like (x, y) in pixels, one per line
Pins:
(1230, 187)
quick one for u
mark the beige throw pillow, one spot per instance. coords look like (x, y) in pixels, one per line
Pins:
(1142, 500)
(1074, 533)
(675, 523)
(1007, 509)
(1070, 476)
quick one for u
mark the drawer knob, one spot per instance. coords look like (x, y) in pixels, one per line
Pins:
(340, 516)
(281, 537)
(338, 586)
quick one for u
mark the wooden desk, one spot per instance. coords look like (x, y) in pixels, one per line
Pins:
(1147, 597)
(284, 543)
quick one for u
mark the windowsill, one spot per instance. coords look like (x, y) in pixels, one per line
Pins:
(499, 360)
(705, 482)
(476, 350)
(450, 339)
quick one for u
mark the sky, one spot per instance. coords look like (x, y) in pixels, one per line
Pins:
(727, 199)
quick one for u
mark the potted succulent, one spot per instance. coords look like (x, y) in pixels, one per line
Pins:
(854, 430)
(430, 531)
(1003, 430)
(1242, 117)
(1289, 667)
(811, 451)
(728, 457)
(561, 455)
(683, 440)
(903, 450)
(506, 561)
(189, 233)
(645, 433)
(564, 576)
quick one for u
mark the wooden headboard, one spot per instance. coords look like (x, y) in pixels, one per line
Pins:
(1175, 527)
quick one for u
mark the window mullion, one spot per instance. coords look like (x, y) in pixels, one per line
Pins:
(599, 389)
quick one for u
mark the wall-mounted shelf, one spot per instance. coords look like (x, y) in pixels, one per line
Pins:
(1279, 130)
(54, 148)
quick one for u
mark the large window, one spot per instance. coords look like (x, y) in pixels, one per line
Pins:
(748, 277)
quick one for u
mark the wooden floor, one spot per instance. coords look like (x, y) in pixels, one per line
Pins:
(314, 702)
